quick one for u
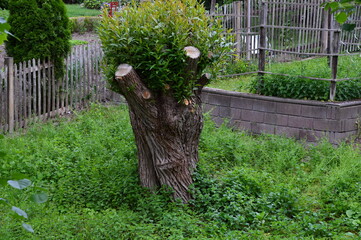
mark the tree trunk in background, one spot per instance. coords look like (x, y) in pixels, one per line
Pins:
(166, 132)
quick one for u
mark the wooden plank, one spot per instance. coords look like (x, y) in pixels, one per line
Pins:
(17, 96)
(49, 85)
(67, 66)
(77, 79)
(87, 68)
(71, 68)
(263, 33)
(53, 88)
(248, 37)
(23, 93)
(39, 89)
(44, 91)
(237, 11)
(34, 87)
(28, 89)
(9, 62)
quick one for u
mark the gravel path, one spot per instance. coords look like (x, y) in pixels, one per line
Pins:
(90, 37)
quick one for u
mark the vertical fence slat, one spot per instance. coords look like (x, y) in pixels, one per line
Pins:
(39, 87)
(34, 87)
(10, 93)
(16, 97)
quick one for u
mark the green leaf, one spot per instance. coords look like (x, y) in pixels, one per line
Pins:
(3, 181)
(4, 201)
(18, 176)
(349, 213)
(28, 227)
(348, 26)
(19, 212)
(20, 184)
(39, 197)
(341, 17)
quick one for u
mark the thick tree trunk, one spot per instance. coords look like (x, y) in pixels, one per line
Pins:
(167, 132)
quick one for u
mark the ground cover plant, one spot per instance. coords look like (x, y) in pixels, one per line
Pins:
(247, 187)
(295, 87)
(301, 88)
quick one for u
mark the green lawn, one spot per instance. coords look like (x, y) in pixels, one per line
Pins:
(246, 187)
(75, 10)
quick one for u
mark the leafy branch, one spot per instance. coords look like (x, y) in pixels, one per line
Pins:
(343, 10)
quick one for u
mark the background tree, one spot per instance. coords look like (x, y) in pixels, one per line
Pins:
(43, 29)
(155, 55)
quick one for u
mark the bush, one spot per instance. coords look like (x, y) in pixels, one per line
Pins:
(84, 24)
(302, 88)
(42, 29)
(151, 38)
(73, 1)
(4, 4)
(94, 4)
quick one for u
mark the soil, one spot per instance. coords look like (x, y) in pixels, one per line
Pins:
(89, 37)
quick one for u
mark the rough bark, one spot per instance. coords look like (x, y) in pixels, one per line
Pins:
(166, 132)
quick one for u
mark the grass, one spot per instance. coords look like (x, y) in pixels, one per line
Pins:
(246, 187)
(238, 84)
(75, 10)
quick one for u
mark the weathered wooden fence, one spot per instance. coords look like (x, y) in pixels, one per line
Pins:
(298, 30)
(301, 26)
(29, 90)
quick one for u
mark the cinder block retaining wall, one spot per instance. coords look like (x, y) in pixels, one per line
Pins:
(301, 119)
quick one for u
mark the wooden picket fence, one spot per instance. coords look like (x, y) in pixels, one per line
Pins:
(30, 92)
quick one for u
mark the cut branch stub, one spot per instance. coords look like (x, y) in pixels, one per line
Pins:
(192, 52)
(123, 70)
(127, 78)
(193, 55)
(202, 81)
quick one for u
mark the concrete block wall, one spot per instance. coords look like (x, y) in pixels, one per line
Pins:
(300, 119)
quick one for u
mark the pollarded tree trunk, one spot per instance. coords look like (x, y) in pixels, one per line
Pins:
(166, 132)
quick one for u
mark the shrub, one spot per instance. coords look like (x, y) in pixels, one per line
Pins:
(72, 1)
(94, 4)
(84, 24)
(302, 88)
(4, 4)
(43, 30)
(151, 38)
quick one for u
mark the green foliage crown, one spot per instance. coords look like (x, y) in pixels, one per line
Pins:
(151, 37)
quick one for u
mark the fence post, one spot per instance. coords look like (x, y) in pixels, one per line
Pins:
(213, 7)
(238, 27)
(248, 37)
(334, 63)
(9, 63)
(262, 40)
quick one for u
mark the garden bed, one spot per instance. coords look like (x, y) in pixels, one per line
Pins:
(300, 119)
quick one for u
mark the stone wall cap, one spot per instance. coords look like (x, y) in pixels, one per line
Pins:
(283, 100)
